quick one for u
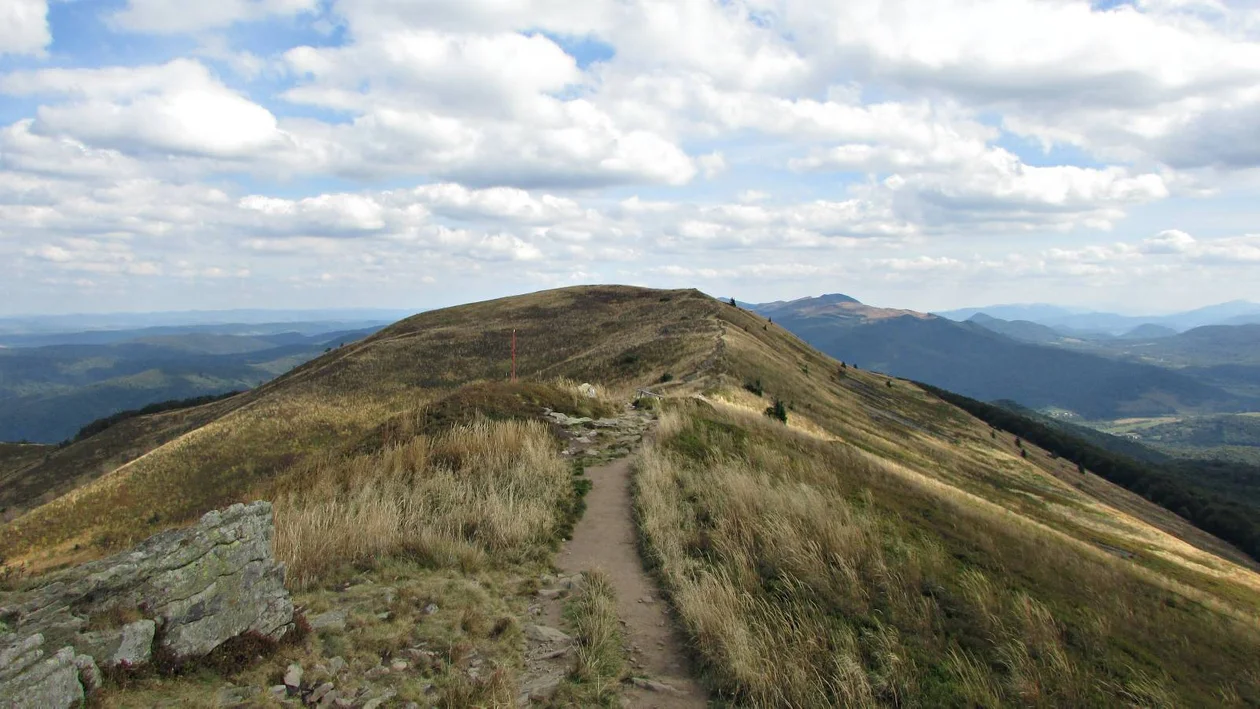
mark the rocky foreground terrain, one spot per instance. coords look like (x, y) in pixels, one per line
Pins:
(179, 596)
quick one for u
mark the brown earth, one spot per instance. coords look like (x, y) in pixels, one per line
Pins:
(605, 539)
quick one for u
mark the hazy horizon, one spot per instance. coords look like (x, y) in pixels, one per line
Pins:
(368, 312)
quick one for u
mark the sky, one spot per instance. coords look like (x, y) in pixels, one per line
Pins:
(928, 154)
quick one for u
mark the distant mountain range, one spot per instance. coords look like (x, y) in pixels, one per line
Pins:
(1075, 321)
(989, 359)
(52, 384)
(228, 321)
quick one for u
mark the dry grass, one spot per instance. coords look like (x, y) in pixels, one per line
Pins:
(807, 573)
(600, 659)
(480, 492)
(386, 621)
(616, 337)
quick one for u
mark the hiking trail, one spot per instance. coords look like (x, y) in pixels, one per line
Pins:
(605, 538)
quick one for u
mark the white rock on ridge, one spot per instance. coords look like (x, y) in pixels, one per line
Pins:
(199, 586)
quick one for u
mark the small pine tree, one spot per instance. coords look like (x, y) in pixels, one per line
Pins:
(1023, 453)
(1080, 468)
(778, 411)
(889, 383)
(734, 303)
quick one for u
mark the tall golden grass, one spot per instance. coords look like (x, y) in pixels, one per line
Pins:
(807, 574)
(481, 493)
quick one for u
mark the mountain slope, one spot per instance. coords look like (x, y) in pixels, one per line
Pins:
(1023, 330)
(618, 336)
(881, 547)
(47, 393)
(972, 360)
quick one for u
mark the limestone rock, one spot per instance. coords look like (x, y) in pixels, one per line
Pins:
(545, 634)
(293, 676)
(332, 620)
(130, 645)
(319, 693)
(652, 685)
(27, 679)
(201, 586)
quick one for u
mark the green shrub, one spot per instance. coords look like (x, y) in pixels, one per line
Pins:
(777, 411)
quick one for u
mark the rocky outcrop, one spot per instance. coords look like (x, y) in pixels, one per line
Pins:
(182, 593)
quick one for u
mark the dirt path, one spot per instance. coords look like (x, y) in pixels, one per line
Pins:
(605, 539)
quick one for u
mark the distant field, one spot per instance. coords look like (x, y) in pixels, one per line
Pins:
(1232, 437)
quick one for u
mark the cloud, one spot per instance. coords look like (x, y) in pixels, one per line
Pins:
(24, 27)
(1171, 241)
(712, 164)
(178, 107)
(388, 141)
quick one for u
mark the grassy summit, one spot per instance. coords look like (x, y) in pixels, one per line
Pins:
(198, 459)
(882, 547)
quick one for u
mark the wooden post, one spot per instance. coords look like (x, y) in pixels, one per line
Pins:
(513, 354)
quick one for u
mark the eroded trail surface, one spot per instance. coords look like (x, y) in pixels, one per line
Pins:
(605, 539)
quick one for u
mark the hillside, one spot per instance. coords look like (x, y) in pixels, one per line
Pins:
(1022, 330)
(974, 361)
(48, 392)
(1207, 346)
(882, 548)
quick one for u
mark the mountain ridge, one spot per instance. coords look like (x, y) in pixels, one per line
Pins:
(877, 521)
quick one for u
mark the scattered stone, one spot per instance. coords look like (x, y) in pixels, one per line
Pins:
(554, 654)
(380, 699)
(545, 634)
(279, 692)
(230, 696)
(430, 609)
(376, 672)
(384, 616)
(399, 666)
(539, 689)
(652, 685)
(550, 593)
(319, 693)
(336, 665)
(587, 390)
(334, 621)
(293, 676)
